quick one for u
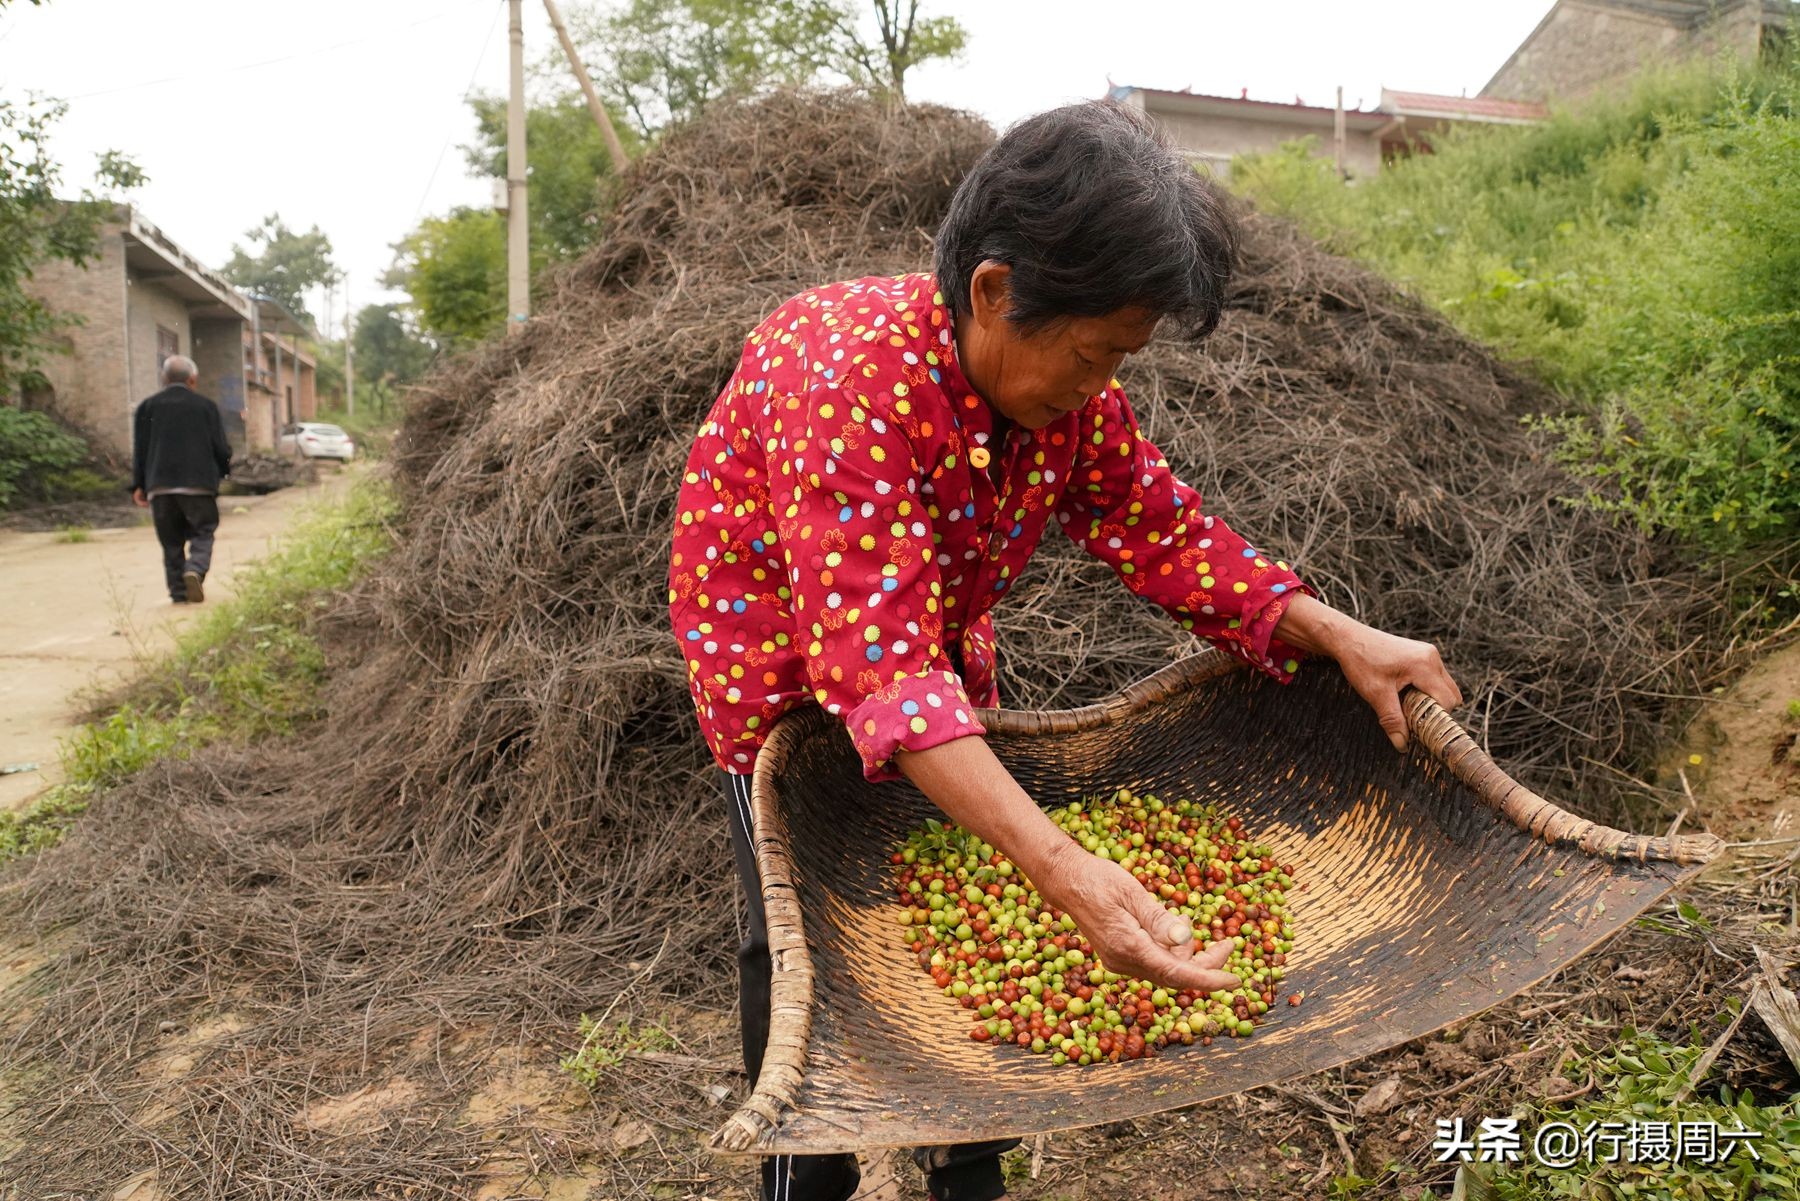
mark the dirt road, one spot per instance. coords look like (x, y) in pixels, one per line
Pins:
(81, 614)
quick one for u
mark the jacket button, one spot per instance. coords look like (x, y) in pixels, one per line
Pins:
(979, 458)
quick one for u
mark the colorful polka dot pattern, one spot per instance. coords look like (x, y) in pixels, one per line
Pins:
(837, 530)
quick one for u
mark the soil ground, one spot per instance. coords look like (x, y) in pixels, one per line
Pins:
(1741, 758)
(79, 615)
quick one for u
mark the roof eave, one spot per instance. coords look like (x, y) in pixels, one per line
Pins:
(275, 318)
(1257, 110)
(171, 253)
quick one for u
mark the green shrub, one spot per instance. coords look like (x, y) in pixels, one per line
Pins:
(34, 450)
(1644, 253)
(105, 752)
(1295, 182)
(98, 755)
(41, 823)
(1640, 1079)
(80, 483)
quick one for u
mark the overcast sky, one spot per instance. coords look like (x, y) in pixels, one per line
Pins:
(350, 113)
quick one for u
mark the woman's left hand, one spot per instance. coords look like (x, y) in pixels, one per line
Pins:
(1377, 664)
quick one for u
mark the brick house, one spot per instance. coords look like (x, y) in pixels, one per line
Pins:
(280, 379)
(1212, 129)
(1582, 46)
(142, 298)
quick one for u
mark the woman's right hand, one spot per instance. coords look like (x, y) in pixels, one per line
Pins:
(1130, 930)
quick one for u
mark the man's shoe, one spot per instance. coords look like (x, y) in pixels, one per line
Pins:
(191, 581)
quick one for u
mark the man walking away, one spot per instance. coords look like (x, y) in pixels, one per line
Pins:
(179, 454)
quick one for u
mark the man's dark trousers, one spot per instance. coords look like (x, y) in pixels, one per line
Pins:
(185, 523)
(970, 1172)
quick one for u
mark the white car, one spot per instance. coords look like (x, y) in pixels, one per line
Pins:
(316, 440)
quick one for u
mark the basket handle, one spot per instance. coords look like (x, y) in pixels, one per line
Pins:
(791, 981)
(1441, 737)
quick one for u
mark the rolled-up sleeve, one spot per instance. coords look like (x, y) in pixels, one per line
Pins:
(867, 600)
(1126, 507)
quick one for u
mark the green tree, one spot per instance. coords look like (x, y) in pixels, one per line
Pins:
(454, 268)
(664, 61)
(282, 264)
(387, 349)
(36, 227)
(903, 41)
(658, 61)
(566, 165)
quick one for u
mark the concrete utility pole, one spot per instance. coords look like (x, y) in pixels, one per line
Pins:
(601, 117)
(518, 240)
(1337, 133)
(349, 353)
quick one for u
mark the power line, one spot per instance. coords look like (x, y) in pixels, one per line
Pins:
(211, 72)
(473, 75)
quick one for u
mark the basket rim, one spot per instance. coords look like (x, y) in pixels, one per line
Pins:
(1433, 732)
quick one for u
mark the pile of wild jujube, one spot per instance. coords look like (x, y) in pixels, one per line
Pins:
(1027, 976)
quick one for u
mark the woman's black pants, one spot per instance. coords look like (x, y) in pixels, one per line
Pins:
(969, 1172)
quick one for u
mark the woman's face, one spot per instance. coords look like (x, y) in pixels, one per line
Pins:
(1034, 378)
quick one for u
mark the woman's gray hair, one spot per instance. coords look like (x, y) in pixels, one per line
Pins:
(1094, 212)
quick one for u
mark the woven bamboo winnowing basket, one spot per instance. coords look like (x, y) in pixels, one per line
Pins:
(1436, 887)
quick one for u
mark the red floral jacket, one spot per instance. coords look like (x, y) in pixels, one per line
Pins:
(838, 529)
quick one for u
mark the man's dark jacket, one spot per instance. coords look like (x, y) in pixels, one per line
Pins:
(178, 441)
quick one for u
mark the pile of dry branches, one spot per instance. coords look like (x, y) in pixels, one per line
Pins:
(508, 817)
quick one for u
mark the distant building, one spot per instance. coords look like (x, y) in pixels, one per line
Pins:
(1212, 129)
(142, 298)
(280, 383)
(1582, 46)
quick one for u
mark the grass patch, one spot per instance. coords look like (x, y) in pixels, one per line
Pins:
(41, 823)
(249, 669)
(1644, 1134)
(1645, 1079)
(1643, 252)
(74, 533)
(605, 1047)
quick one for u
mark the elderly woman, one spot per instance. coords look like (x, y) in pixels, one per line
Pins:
(878, 472)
